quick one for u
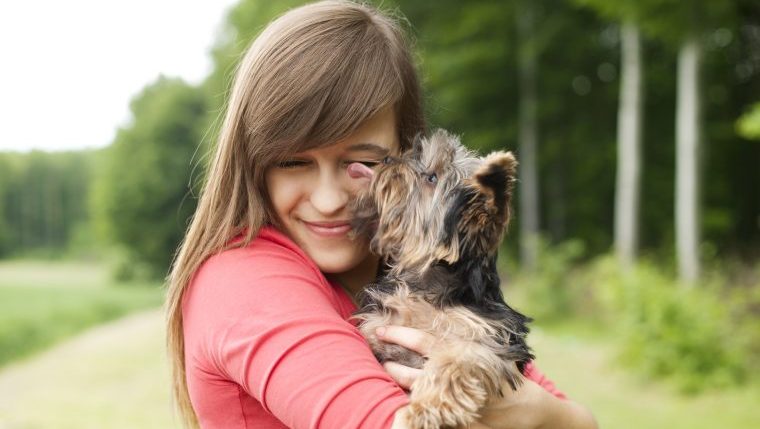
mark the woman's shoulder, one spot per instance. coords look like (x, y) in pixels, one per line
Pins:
(269, 269)
(269, 273)
(269, 253)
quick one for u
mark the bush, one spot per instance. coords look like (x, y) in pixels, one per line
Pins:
(668, 329)
(549, 294)
(701, 336)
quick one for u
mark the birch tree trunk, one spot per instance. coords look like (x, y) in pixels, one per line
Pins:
(687, 147)
(627, 192)
(528, 137)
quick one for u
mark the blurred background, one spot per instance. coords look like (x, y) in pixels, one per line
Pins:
(636, 239)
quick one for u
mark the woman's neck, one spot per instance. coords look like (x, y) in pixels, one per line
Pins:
(355, 279)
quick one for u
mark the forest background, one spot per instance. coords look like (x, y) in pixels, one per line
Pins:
(637, 127)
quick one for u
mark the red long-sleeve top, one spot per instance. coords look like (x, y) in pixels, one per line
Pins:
(268, 345)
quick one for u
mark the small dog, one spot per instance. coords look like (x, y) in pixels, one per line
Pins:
(437, 215)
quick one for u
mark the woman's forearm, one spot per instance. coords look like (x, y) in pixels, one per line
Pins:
(535, 408)
(566, 414)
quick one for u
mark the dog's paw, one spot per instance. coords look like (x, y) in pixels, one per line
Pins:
(417, 415)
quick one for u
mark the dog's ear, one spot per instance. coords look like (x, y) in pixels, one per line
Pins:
(418, 144)
(496, 176)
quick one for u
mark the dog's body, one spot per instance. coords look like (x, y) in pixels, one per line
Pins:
(437, 214)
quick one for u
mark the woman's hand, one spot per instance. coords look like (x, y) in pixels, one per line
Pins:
(528, 407)
(413, 339)
(532, 406)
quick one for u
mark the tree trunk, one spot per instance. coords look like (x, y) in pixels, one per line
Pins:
(627, 193)
(528, 137)
(687, 146)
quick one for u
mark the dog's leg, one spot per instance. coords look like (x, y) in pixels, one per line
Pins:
(457, 381)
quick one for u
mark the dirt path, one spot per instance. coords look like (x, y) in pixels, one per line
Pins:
(112, 376)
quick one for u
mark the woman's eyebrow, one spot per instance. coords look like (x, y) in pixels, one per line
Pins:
(370, 147)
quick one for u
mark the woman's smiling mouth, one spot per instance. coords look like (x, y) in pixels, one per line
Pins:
(329, 229)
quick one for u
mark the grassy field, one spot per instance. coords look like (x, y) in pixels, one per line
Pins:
(115, 376)
(112, 376)
(584, 367)
(44, 302)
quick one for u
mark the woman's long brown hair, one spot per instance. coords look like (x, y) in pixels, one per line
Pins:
(308, 80)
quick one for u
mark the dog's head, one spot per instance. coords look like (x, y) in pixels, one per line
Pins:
(437, 202)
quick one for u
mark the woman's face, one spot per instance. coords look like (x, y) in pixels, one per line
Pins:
(311, 190)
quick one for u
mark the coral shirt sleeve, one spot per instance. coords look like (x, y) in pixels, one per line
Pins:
(531, 372)
(270, 324)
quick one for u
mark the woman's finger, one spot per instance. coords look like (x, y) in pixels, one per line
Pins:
(403, 375)
(410, 338)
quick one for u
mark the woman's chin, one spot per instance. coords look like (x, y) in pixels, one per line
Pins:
(337, 261)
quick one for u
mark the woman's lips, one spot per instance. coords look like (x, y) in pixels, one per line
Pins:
(328, 229)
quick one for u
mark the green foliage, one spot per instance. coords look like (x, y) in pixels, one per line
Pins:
(748, 125)
(670, 330)
(699, 337)
(42, 200)
(244, 21)
(550, 294)
(669, 21)
(141, 196)
(467, 54)
(468, 60)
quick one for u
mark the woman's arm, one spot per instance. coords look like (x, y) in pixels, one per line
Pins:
(266, 322)
(530, 407)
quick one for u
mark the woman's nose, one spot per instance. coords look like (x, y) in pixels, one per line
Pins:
(329, 196)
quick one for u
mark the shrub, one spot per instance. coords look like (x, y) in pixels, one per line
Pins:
(702, 336)
(666, 328)
(549, 293)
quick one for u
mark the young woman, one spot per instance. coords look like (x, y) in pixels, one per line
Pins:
(263, 284)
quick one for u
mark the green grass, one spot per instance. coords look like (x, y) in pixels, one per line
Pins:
(583, 367)
(44, 302)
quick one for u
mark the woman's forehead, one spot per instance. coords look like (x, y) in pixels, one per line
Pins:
(378, 135)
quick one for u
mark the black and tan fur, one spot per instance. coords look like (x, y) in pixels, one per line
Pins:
(437, 215)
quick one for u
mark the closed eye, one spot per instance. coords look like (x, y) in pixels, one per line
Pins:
(292, 163)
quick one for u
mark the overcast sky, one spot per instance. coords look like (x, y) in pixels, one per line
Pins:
(70, 67)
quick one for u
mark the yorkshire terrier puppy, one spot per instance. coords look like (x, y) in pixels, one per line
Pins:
(437, 215)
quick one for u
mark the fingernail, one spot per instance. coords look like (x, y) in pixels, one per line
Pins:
(380, 331)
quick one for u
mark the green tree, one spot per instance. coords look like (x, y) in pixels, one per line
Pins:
(527, 64)
(629, 126)
(141, 198)
(5, 178)
(42, 200)
(683, 24)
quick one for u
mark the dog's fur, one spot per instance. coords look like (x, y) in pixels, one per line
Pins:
(437, 214)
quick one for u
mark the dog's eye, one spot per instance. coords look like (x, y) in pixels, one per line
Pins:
(431, 178)
(388, 160)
